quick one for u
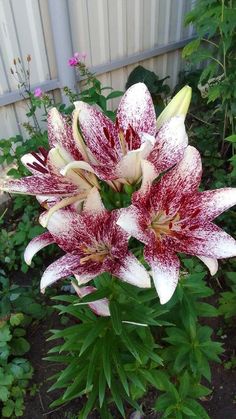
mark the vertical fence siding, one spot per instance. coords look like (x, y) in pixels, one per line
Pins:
(107, 30)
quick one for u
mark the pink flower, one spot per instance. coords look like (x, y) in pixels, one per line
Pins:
(93, 243)
(173, 216)
(72, 62)
(133, 147)
(38, 92)
(80, 56)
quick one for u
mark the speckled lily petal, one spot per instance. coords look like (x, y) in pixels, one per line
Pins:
(136, 109)
(61, 268)
(60, 132)
(132, 271)
(40, 185)
(37, 244)
(165, 270)
(171, 141)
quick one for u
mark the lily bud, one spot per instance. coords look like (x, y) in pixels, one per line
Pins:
(178, 106)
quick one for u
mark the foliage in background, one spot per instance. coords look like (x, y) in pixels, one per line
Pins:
(214, 46)
(19, 307)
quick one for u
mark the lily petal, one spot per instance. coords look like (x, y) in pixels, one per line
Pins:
(61, 268)
(60, 133)
(99, 307)
(93, 202)
(37, 244)
(178, 106)
(213, 203)
(132, 271)
(165, 271)
(94, 124)
(180, 181)
(136, 110)
(134, 221)
(40, 185)
(149, 173)
(208, 240)
(212, 264)
(171, 141)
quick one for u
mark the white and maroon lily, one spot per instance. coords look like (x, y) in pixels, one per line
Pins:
(93, 243)
(173, 217)
(48, 179)
(137, 144)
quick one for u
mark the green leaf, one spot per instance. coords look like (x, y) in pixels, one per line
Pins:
(187, 411)
(106, 360)
(5, 379)
(130, 345)
(163, 402)
(4, 393)
(206, 310)
(5, 334)
(114, 94)
(184, 385)
(16, 319)
(89, 405)
(231, 138)
(101, 388)
(8, 409)
(19, 346)
(190, 48)
(115, 317)
(95, 331)
(117, 398)
(197, 408)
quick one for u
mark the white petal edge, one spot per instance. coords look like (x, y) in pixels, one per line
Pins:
(211, 263)
(133, 272)
(165, 280)
(37, 244)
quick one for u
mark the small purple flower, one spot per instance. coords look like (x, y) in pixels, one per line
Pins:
(38, 92)
(72, 62)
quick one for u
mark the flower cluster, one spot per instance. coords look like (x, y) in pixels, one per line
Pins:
(77, 58)
(168, 213)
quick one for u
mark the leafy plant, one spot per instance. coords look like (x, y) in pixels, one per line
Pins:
(215, 24)
(15, 371)
(179, 399)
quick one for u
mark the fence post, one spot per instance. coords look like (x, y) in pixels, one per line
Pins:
(60, 20)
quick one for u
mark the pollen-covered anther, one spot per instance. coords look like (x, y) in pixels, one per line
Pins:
(164, 224)
(97, 253)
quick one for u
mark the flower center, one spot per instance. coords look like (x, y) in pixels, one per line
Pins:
(129, 140)
(96, 253)
(164, 224)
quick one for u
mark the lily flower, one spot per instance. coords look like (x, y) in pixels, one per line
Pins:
(176, 217)
(48, 179)
(93, 243)
(120, 153)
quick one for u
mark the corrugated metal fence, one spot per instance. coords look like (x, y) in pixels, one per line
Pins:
(115, 34)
